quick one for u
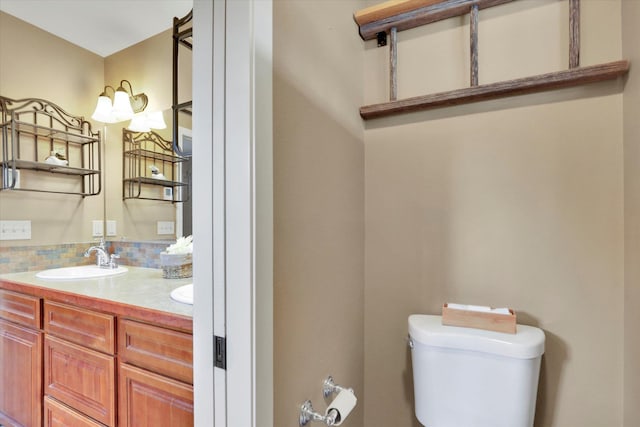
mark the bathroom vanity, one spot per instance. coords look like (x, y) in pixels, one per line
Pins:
(113, 351)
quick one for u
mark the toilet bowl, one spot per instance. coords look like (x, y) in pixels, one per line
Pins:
(466, 377)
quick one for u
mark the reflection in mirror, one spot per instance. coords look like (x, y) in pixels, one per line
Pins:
(150, 211)
(80, 75)
(148, 66)
(183, 210)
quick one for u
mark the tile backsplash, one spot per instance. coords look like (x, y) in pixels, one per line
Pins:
(17, 259)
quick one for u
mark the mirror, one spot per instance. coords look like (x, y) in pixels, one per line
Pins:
(78, 79)
(148, 65)
(135, 196)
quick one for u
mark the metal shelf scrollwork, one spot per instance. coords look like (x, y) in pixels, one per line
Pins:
(32, 130)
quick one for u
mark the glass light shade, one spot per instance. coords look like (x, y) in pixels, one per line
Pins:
(139, 123)
(103, 110)
(121, 106)
(155, 120)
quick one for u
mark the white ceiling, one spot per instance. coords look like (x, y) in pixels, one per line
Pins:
(101, 26)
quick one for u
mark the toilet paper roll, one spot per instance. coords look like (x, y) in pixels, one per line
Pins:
(344, 403)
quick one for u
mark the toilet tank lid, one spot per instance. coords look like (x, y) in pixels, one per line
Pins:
(526, 343)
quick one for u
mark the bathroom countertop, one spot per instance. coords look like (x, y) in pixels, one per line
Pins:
(139, 293)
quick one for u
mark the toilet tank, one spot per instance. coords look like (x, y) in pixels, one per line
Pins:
(466, 377)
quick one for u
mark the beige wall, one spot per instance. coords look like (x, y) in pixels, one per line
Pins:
(630, 36)
(515, 202)
(318, 205)
(34, 64)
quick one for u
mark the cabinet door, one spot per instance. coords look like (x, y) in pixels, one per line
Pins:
(147, 399)
(58, 415)
(81, 378)
(20, 375)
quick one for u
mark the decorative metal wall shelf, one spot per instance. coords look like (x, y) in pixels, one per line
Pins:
(141, 152)
(182, 36)
(386, 19)
(31, 129)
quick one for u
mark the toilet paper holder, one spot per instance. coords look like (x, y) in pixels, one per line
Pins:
(308, 414)
(338, 409)
(329, 387)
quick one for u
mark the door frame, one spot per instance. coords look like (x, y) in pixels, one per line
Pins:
(233, 211)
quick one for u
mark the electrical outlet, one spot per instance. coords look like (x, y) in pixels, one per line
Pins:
(15, 230)
(97, 227)
(167, 193)
(111, 228)
(166, 227)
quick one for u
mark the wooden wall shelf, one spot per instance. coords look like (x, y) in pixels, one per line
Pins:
(407, 14)
(396, 15)
(539, 83)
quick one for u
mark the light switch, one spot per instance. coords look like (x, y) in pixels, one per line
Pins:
(111, 228)
(15, 230)
(97, 228)
(166, 227)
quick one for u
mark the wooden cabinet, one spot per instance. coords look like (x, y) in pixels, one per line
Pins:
(20, 375)
(58, 415)
(20, 360)
(81, 378)
(60, 367)
(79, 362)
(160, 350)
(148, 399)
(161, 392)
(80, 326)
(19, 308)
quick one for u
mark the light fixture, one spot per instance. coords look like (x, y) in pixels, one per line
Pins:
(155, 120)
(139, 123)
(122, 109)
(103, 109)
(147, 120)
(125, 104)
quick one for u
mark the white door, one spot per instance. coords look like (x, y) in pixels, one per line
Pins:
(232, 211)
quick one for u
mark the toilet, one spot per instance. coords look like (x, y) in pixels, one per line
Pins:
(466, 377)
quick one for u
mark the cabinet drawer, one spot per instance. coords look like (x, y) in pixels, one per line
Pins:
(58, 415)
(147, 399)
(81, 378)
(19, 308)
(84, 327)
(157, 349)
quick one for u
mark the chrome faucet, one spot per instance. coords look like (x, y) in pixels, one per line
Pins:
(103, 259)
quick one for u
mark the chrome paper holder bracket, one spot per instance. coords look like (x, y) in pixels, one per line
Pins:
(307, 412)
(329, 387)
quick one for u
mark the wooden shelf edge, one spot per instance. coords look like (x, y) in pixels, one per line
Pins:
(540, 83)
(407, 14)
(389, 8)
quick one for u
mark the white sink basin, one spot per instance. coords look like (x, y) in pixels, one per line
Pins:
(80, 272)
(183, 294)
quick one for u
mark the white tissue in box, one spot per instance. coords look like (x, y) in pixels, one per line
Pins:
(480, 308)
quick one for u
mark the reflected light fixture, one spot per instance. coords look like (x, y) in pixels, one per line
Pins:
(145, 121)
(127, 106)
